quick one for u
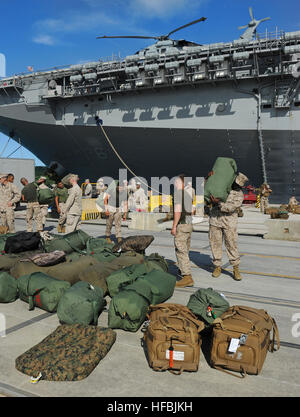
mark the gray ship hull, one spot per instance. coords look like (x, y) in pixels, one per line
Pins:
(158, 152)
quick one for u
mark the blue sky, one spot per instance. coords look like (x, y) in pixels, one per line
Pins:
(48, 33)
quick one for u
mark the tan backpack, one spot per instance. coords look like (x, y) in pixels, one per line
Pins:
(172, 338)
(241, 340)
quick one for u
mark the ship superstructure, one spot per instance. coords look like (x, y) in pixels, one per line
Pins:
(171, 107)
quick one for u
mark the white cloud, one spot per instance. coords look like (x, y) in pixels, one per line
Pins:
(44, 40)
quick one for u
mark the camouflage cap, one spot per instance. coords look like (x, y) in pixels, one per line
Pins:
(3, 176)
(241, 179)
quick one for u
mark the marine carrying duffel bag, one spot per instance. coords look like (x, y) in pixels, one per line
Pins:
(207, 304)
(82, 303)
(41, 290)
(70, 353)
(74, 241)
(8, 288)
(172, 338)
(241, 340)
(219, 184)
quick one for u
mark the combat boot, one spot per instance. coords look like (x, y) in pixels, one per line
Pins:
(186, 281)
(217, 272)
(108, 240)
(119, 239)
(236, 273)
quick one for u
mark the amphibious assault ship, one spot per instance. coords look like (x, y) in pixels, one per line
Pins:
(171, 107)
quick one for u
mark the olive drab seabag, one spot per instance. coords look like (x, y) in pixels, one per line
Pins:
(70, 353)
(74, 241)
(41, 290)
(82, 304)
(161, 284)
(219, 184)
(8, 288)
(159, 260)
(128, 275)
(241, 339)
(207, 304)
(172, 338)
(45, 195)
(128, 308)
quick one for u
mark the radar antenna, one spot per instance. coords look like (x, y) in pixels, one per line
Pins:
(251, 27)
(159, 38)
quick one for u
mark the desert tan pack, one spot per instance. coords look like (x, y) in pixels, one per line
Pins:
(241, 339)
(172, 338)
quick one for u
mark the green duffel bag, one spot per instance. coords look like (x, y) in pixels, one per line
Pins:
(7, 261)
(127, 259)
(162, 285)
(71, 242)
(104, 255)
(208, 304)
(128, 275)
(128, 308)
(3, 240)
(219, 184)
(159, 260)
(41, 290)
(97, 244)
(65, 271)
(8, 288)
(97, 275)
(81, 304)
(45, 195)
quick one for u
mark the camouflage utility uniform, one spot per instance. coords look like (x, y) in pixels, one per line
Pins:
(33, 210)
(182, 240)
(72, 214)
(223, 224)
(116, 201)
(44, 207)
(264, 199)
(9, 193)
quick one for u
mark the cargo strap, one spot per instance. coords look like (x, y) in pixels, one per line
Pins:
(242, 375)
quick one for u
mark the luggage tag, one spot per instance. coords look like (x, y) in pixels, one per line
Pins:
(243, 339)
(210, 312)
(234, 344)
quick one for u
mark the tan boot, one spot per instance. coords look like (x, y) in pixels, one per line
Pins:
(217, 272)
(236, 273)
(108, 240)
(119, 239)
(186, 281)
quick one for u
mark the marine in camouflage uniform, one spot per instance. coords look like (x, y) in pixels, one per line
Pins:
(73, 206)
(115, 203)
(223, 222)
(33, 211)
(61, 196)
(265, 191)
(44, 207)
(182, 231)
(9, 196)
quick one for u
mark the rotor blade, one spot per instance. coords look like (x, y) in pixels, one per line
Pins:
(127, 37)
(266, 18)
(185, 26)
(251, 13)
(242, 27)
